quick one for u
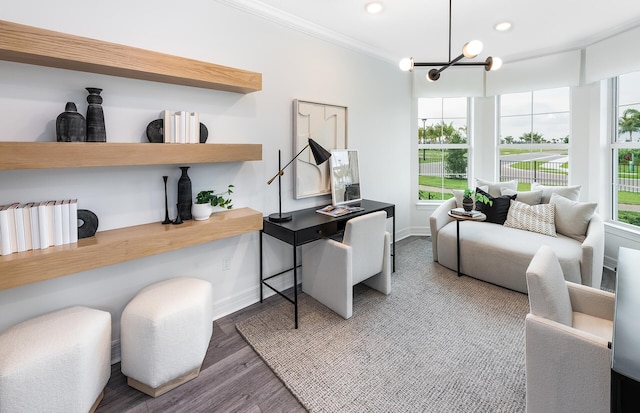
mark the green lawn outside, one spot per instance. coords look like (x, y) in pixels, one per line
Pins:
(628, 198)
(520, 151)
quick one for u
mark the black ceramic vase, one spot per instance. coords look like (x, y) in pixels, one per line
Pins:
(184, 195)
(95, 116)
(70, 125)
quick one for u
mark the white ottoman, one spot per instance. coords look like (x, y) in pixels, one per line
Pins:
(165, 333)
(58, 362)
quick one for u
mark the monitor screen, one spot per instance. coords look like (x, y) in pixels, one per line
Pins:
(345, 176)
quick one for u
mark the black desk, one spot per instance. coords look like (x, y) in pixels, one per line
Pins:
(307, 225)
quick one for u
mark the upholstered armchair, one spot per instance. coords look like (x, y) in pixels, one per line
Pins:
(567, 334)
(330, 268)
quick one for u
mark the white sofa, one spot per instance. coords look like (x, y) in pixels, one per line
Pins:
(500, 255)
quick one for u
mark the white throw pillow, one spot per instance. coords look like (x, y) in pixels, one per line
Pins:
(570, 192)
(493, 188)
(528, 197)
(572, 217)
(535, 218)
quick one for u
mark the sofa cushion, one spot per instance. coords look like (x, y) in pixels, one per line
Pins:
(495, 187)
(498, 207)
(535, 218)
(528, 197)
(570, 192)
(572, 217)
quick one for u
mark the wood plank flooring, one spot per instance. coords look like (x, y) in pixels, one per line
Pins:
(233, 377)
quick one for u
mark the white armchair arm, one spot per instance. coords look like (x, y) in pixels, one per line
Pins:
(556, 357)
(330, 260)
(591, 301)
(593, 253)
(438, 219)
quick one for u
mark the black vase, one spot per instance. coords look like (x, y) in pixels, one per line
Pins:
(95, 116)
(184, 195)
(70, 125)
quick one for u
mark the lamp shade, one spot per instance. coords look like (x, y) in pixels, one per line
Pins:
(320, 154)
(472, 49)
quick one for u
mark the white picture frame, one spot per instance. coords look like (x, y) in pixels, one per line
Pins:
(345, 177)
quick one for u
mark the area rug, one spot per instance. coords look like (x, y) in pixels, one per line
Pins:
(437, 343)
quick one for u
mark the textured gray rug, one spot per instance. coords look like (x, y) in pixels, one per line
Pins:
(438, 343)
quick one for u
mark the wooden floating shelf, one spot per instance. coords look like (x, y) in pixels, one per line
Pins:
(32, 45)
(120, 245)
(41, 155)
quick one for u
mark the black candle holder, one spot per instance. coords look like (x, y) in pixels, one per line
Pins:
(166, 205)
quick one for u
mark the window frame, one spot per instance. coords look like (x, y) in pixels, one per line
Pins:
(443, 146)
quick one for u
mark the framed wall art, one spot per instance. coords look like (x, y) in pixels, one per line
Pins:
(325, 124)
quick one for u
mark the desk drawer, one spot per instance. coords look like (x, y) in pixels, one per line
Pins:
(317, 232)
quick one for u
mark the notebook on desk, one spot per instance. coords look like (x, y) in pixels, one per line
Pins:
(338, 211)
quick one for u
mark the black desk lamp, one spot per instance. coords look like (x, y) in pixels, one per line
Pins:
(320, 155)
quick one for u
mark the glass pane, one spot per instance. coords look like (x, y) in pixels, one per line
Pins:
(629, 89)
(629, 108)
(544, 166)
(551, 100)
(628, 185)
(440, 171)
(514, 128)
(430, 108)
(515, 104)
(551, 128)
(455, 108)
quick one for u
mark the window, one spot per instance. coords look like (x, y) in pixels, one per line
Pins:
(626, 151)
(443, 147)
(534, 137)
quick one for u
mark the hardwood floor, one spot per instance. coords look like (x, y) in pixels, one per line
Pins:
(233, 377)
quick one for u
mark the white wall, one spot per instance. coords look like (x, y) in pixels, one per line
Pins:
(294, 65)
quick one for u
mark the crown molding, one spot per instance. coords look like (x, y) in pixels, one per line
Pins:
(293, 22)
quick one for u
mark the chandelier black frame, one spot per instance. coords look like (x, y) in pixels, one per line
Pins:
(470, 50)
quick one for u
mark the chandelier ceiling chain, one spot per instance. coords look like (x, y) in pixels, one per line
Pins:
(470, 50)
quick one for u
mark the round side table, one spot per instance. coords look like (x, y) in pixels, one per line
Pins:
(459, 218)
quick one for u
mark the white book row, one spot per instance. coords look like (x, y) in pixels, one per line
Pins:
(181, 127)
(37, 225)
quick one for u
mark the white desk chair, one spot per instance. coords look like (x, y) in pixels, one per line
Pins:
(330, 268)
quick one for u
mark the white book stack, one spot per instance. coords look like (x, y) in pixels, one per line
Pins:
(181, 126)
(37, 225)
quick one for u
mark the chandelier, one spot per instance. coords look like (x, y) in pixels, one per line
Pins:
(470, 50)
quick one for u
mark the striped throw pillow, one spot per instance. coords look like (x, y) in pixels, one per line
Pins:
(535, 218)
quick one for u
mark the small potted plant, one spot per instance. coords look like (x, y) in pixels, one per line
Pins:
(207, 201)
(468, 200)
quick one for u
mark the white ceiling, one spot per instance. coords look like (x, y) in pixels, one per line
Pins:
(419, 28)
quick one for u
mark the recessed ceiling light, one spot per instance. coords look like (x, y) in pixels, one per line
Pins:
(374, 7)
(503, 26)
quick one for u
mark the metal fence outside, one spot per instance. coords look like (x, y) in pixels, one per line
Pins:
(544, 173)
(629, 178)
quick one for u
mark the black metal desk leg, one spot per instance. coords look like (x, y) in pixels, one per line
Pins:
(261, 267)
(394, 241)
(458, 244)
(295, 287)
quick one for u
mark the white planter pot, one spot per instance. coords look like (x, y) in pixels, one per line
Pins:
(200, 212)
